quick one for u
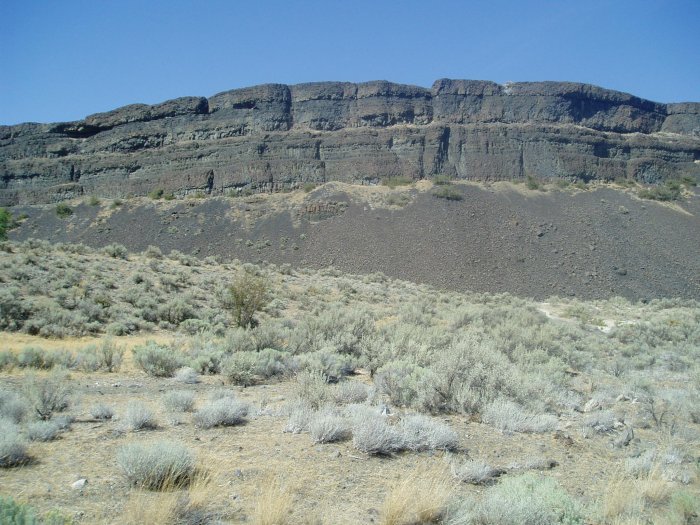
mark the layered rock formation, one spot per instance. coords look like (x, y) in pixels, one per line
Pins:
(274, 136)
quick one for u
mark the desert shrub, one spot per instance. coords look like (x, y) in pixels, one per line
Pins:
(156, 466)
(13, 310)
(8, 360)
(101, 412)
(88, 360)
(238, 340)
(224, 412)
(116, 251)
(335, 329)
(312, 388)
(63, 210)
(187, 375)
(475, 471)
(448, 192)
(195, 326)
(139, 416)
(179, 401)
(299, 416)
(156, 360)
(600, 421)
(43, 430)
(111, 355)
(47, 395)
(522, 500)
(153, 252)
(245, 297)
(333, 366)
(33, 357)
(351, 392)
(240, 368)
(176, 311)
(12, 406)
(326, 426)
(424, 433)
(13, 450)
(407, 384)
(373, 435)
(511, 417)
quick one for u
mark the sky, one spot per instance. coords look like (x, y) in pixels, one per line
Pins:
(63, 60)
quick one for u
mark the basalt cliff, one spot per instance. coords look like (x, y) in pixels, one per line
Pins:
(274, 137)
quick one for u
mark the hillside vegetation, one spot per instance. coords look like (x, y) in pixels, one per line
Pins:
(193, 391)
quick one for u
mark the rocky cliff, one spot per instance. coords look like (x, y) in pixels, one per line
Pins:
(274, 136)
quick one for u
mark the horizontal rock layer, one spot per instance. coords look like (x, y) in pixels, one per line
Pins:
(277, 136)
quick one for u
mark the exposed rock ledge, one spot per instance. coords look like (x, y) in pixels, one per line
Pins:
(275, 136)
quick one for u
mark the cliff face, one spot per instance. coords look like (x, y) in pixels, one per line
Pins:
(275, 136)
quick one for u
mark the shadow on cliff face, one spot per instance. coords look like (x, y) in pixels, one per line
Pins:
(498, 238)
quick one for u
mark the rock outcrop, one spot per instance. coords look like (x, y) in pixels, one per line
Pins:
(274, 136)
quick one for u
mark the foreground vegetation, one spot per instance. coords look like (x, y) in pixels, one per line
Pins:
(375, 367)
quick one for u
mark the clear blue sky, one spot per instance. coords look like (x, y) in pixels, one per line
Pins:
(64, 59)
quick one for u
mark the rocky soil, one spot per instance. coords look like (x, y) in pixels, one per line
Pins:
(499, 238)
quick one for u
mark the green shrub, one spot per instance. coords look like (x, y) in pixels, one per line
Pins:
(5, 223)
(394, 182)
(13, 513)
(442, 180)
(448, 192)
(93, 201)
(156, 466)
(117, 251)
(668, 191)
(63, 210)
(309, 187)
(156, 360)
(246, 296)
(522, 500)
(532, 183)
(156, 193)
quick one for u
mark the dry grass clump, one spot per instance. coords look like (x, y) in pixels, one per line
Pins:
(156, 466)
(274, 503)
(421, 497)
